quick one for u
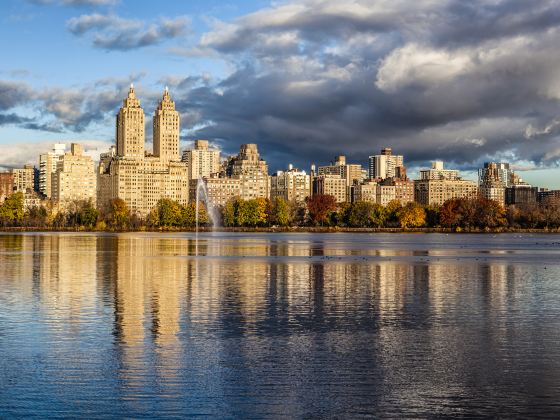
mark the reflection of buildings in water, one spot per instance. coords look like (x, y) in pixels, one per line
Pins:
(64, 272)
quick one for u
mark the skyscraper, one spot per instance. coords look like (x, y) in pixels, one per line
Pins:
(130, 127)
(74, 178)
(384, 165)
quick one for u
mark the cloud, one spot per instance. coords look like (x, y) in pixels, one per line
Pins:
(450, 80)
(90, 3)
(17, 155)
(111, 32)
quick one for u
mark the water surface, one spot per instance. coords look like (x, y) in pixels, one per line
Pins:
(279, 325)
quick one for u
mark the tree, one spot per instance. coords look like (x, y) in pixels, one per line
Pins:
(319, 207)
(360, 214)
(449, 213)
(490, 213)
(119, 214)
(88, 214)
(280, 212)
(378, 215)
(170, 212)
(228, 213)
(412, 215)
(11, 210)
(392, 210)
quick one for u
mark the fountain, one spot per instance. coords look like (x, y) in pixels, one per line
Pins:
(210, 210)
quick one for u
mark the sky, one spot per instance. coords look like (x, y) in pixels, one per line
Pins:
(464, 82)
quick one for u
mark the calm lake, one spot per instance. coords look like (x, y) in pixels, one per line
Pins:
(279, 325)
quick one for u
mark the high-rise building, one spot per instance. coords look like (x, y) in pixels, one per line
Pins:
(496, 173)
(291, 185)
(47, 167)
(438, 185)
(202, 161)
(385, 165)
(251, 171)
(129, 174)
(166, 129)
(403, 189)
(75, 178)
(6, 185)
(24, 179)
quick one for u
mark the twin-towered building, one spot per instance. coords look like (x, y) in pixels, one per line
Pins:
(139, 178)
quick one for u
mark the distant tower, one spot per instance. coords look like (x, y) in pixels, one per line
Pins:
(166, 129)
(130, 127)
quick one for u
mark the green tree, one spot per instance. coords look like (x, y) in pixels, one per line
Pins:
(88, 214)
(229, 213)
(280, 212)
(170, 212)
(360, 214)
(11, 210)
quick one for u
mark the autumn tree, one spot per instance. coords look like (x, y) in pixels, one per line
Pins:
(228, 213)
(449, 213)
(392, 210)
(119, 213)
(489, 213)
(411, 216)
(319, 207)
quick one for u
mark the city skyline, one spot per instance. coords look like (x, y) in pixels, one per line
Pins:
(309, 76)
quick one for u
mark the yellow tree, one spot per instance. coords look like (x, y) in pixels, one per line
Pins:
(411, 216)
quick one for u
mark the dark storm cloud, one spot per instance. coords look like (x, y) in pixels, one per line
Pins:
(111, 32)
(460, 81)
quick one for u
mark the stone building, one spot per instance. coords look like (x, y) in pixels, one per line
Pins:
(139, 178)
(251, 171)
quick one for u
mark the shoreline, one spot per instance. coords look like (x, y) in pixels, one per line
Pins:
(281, 230)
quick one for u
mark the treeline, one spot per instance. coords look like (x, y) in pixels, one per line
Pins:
(320, 210)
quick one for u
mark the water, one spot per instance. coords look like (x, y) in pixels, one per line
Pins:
(279, 325)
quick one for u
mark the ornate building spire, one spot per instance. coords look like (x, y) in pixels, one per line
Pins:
(130, 127)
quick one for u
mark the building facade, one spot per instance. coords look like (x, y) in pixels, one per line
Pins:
(75, 178)
(24, 179)
(202, 160)
(385, 165)
(437, 185)
(47, 167)
(6, 185)
(521, 194)
(219, 190)
(291, 185)
(331, 185)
